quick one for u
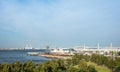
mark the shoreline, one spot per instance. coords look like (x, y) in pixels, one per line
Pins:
(55, 56)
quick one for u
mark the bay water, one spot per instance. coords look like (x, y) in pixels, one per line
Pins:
(10, 56)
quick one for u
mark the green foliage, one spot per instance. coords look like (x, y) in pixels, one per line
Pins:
(5, 67)
(72, 69)
(117, 69)
(68, 65)
(91, 68)
(83, 67)
(29, 66)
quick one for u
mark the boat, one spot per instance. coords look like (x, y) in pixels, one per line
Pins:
(33, 53)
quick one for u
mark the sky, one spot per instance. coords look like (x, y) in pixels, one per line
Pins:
(59, 23)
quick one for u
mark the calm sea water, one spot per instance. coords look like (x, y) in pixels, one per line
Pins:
(10, 56)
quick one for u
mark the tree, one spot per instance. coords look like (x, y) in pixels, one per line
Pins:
(82, 66)
(91, 68)
(38, 68)
(5, 67)
(29, 66)
(47, 50)
(72, 69)
(117, 69)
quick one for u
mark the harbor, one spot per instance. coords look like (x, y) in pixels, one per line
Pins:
(67, 53)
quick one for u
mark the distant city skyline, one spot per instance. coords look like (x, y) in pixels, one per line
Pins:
(59, 23)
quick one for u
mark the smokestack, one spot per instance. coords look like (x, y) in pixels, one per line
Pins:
(84, 46)
(110, 45)
(98, 46)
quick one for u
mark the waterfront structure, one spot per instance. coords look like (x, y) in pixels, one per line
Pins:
(62, 51)
(98, 50)
(28, 47)
(85, 50)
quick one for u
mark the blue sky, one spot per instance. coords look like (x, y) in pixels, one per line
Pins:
(61, 23)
